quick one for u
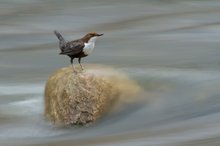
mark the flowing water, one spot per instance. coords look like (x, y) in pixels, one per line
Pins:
(171, 48)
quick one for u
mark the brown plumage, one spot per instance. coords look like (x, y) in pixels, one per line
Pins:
(78, 48)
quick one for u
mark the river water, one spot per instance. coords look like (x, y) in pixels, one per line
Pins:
(170, 48)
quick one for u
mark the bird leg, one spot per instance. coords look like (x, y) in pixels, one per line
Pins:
(79, 60)
(71, 61)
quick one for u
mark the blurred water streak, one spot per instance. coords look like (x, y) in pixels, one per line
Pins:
(170, 47)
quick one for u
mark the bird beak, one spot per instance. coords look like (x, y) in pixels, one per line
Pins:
(100, 34)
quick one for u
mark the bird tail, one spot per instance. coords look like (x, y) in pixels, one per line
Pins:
(61, 39)
(59, 36)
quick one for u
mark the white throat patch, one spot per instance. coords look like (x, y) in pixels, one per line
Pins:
(89, 47)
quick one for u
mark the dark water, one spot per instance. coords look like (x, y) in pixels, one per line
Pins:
(171, 48)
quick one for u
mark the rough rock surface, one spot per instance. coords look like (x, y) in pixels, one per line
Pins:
(82, 98)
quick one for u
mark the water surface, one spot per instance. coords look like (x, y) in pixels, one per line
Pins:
(171, 48)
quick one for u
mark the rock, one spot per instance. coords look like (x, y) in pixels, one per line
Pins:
(82, 98)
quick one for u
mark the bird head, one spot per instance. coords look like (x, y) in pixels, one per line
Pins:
(92, 36)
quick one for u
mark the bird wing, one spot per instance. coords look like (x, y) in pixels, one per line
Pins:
(73, 47)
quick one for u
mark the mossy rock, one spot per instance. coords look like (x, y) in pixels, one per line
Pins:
(82, 98)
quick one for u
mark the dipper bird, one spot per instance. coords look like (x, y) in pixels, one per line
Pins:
(78, 48)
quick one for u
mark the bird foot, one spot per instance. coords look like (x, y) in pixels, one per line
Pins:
(82, 71)
(75, 72)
